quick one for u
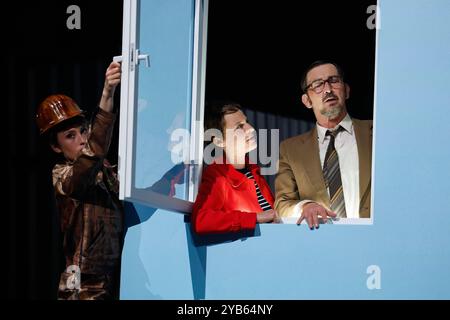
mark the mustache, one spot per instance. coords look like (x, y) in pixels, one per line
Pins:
(329, 95)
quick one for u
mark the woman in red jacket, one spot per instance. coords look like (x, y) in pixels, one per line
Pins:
(233, 196)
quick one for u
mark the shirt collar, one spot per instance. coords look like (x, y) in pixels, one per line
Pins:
(345, 123)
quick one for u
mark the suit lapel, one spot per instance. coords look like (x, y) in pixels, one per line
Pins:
(311, 160)
(363, 135)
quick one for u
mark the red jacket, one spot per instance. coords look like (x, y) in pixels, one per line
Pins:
(226, 201)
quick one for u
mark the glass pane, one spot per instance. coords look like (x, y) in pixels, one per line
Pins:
(164, 96)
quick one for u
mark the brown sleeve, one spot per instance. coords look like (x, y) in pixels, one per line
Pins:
(101, 132)
(286, 190)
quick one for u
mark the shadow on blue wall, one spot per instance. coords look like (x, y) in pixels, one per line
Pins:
(133, 218)
(197, 247)
(135, 215)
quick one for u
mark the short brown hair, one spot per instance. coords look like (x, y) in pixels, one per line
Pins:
(215, 114)
(316, 64)
(51, 135)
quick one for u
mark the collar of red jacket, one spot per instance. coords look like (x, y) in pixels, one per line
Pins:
(235, 177)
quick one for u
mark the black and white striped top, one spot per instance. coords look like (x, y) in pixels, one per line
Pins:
(261, 200)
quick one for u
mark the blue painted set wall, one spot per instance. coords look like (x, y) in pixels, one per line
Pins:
(410, 237)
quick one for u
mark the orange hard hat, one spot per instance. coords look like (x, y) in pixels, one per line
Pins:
(54, 110)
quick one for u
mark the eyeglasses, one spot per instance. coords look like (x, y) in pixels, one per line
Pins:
(318, 85)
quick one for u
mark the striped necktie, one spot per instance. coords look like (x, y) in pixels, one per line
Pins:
(332, 176)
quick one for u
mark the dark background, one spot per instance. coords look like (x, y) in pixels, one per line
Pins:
(257, 51)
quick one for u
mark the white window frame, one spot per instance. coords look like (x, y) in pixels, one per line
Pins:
(128, 105)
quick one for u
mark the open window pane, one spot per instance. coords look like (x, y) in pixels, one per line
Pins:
(160, 99)
(164, 96)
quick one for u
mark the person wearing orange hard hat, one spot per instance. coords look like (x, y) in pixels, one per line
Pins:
(86, 190)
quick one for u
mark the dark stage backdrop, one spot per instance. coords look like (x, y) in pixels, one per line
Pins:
(44, 57)
(256, 53)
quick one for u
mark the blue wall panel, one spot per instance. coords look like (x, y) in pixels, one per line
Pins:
(409, 240)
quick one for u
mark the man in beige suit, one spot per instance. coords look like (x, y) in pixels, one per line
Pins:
(304, 186)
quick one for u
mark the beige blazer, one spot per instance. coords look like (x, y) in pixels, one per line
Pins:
(300, 172)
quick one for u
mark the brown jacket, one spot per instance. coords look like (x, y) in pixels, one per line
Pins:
(91, 214)
(300, 172)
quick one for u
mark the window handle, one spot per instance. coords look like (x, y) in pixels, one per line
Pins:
(144, 57)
